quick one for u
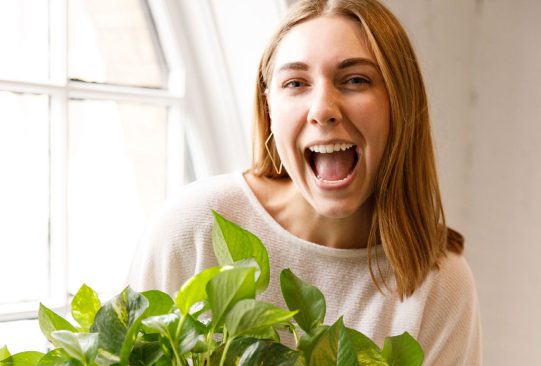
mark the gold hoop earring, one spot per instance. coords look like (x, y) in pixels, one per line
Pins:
(279, 171)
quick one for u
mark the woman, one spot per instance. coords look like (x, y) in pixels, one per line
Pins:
(343, 188)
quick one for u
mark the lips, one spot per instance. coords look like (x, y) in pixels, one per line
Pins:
(332, 163)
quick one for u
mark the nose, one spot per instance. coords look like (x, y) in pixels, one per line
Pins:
(324, 106)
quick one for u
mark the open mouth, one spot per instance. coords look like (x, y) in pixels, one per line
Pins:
(332, 162)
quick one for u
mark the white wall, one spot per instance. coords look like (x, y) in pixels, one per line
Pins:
(482, 62)
(505, 179)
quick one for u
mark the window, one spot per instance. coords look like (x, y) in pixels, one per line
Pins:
(92, 140)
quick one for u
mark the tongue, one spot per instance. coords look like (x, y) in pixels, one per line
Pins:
(334, 166)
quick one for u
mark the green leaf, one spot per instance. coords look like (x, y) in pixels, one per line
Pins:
(368, 353)
(361, 341)
(268, 333)
(334, 347)
(58, 357)
(300, 361)
(159, 303)
(249, 262)
(118, 322)
(248, 351)
(81, 346)
(201, 308)
(29, 358)
(305, 298)
(105, 358)
(268, 353)
(193, 336)
(84, 306)
(194, 289)
(49, 321)
(252, 315)
(146, 353)
(235, 351)
(231, 243)
(164, 361)
(227, 288)
(165, 325)
(402, 350)
(4, 353)
(308, 341)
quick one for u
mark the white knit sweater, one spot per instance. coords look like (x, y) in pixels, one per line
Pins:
(443, 314)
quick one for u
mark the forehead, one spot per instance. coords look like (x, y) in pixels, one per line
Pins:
(323, 39)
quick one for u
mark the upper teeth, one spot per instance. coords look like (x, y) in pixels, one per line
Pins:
(325, 149)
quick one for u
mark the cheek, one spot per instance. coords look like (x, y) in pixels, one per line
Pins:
(286, 123)
(375, 122)
(285, 140)
(374, 125)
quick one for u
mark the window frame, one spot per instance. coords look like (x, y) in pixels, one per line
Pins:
(60, 91)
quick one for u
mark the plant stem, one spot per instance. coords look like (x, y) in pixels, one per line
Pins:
(180, 325)
(295, 335)
(224, 340)
(175, 352)
(210, 335)
(224, 354)
(177, 356)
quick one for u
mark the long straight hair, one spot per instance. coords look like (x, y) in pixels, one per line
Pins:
(408, 217)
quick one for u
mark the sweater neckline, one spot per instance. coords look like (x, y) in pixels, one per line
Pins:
(289, 237)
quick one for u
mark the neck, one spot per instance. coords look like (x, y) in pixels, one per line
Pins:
(287, 206)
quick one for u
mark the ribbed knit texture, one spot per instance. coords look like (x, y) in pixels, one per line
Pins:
(443, 314)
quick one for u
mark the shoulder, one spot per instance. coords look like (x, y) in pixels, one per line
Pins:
(454, 275)
(194, 201)
(187, 215)
(208, 191)
(450, 288)
(451, 323)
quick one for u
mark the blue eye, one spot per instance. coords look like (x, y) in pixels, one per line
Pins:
(293, 84)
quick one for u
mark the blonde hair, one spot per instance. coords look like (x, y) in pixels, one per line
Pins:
(408, 215)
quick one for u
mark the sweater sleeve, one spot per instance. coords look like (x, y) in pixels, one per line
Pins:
(450, 333)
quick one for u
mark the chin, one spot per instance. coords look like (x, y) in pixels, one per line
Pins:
(333, 210)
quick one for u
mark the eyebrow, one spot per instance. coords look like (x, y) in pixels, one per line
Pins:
(349, 62)
(293, 66)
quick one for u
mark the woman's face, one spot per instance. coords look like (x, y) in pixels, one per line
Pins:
(330, 113)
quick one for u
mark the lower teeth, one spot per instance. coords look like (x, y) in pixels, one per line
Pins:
(333, 181)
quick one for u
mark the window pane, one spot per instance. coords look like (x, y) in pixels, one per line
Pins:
(24, 39)
(24, 197)
(112, 41)
(23, 335)
(116, 178)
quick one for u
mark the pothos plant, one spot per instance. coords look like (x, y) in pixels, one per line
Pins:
(214, 320)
